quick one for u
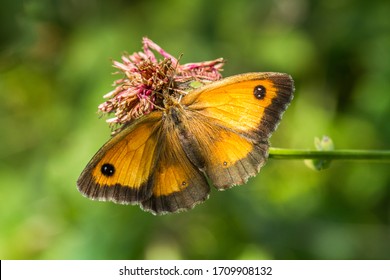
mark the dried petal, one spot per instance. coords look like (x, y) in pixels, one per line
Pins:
(147, 78)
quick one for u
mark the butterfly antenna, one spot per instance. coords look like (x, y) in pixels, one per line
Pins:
(172, 86)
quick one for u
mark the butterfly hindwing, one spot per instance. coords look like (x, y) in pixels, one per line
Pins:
(178, 183)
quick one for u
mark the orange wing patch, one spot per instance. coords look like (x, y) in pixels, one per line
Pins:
(246, 103)
(229, 158)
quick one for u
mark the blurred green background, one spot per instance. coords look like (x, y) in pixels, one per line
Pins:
(55, 66)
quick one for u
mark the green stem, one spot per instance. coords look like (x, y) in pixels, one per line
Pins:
(383, 156)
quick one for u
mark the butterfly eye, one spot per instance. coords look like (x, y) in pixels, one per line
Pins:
(107, 169)
(259, 92)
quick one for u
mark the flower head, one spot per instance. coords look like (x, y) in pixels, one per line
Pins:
(146, 79)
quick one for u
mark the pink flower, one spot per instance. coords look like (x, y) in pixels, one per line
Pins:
(146, 79)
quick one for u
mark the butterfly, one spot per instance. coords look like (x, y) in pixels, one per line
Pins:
(218, 133)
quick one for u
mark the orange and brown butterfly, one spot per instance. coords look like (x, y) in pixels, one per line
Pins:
(217, 133)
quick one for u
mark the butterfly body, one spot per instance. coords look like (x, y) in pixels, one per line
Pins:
(219, 132)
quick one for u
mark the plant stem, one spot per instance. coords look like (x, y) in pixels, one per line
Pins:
(382, 156)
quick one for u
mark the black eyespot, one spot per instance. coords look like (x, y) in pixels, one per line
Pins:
(225, 163)
(259, 92)
(107, 169)
(183, 183)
